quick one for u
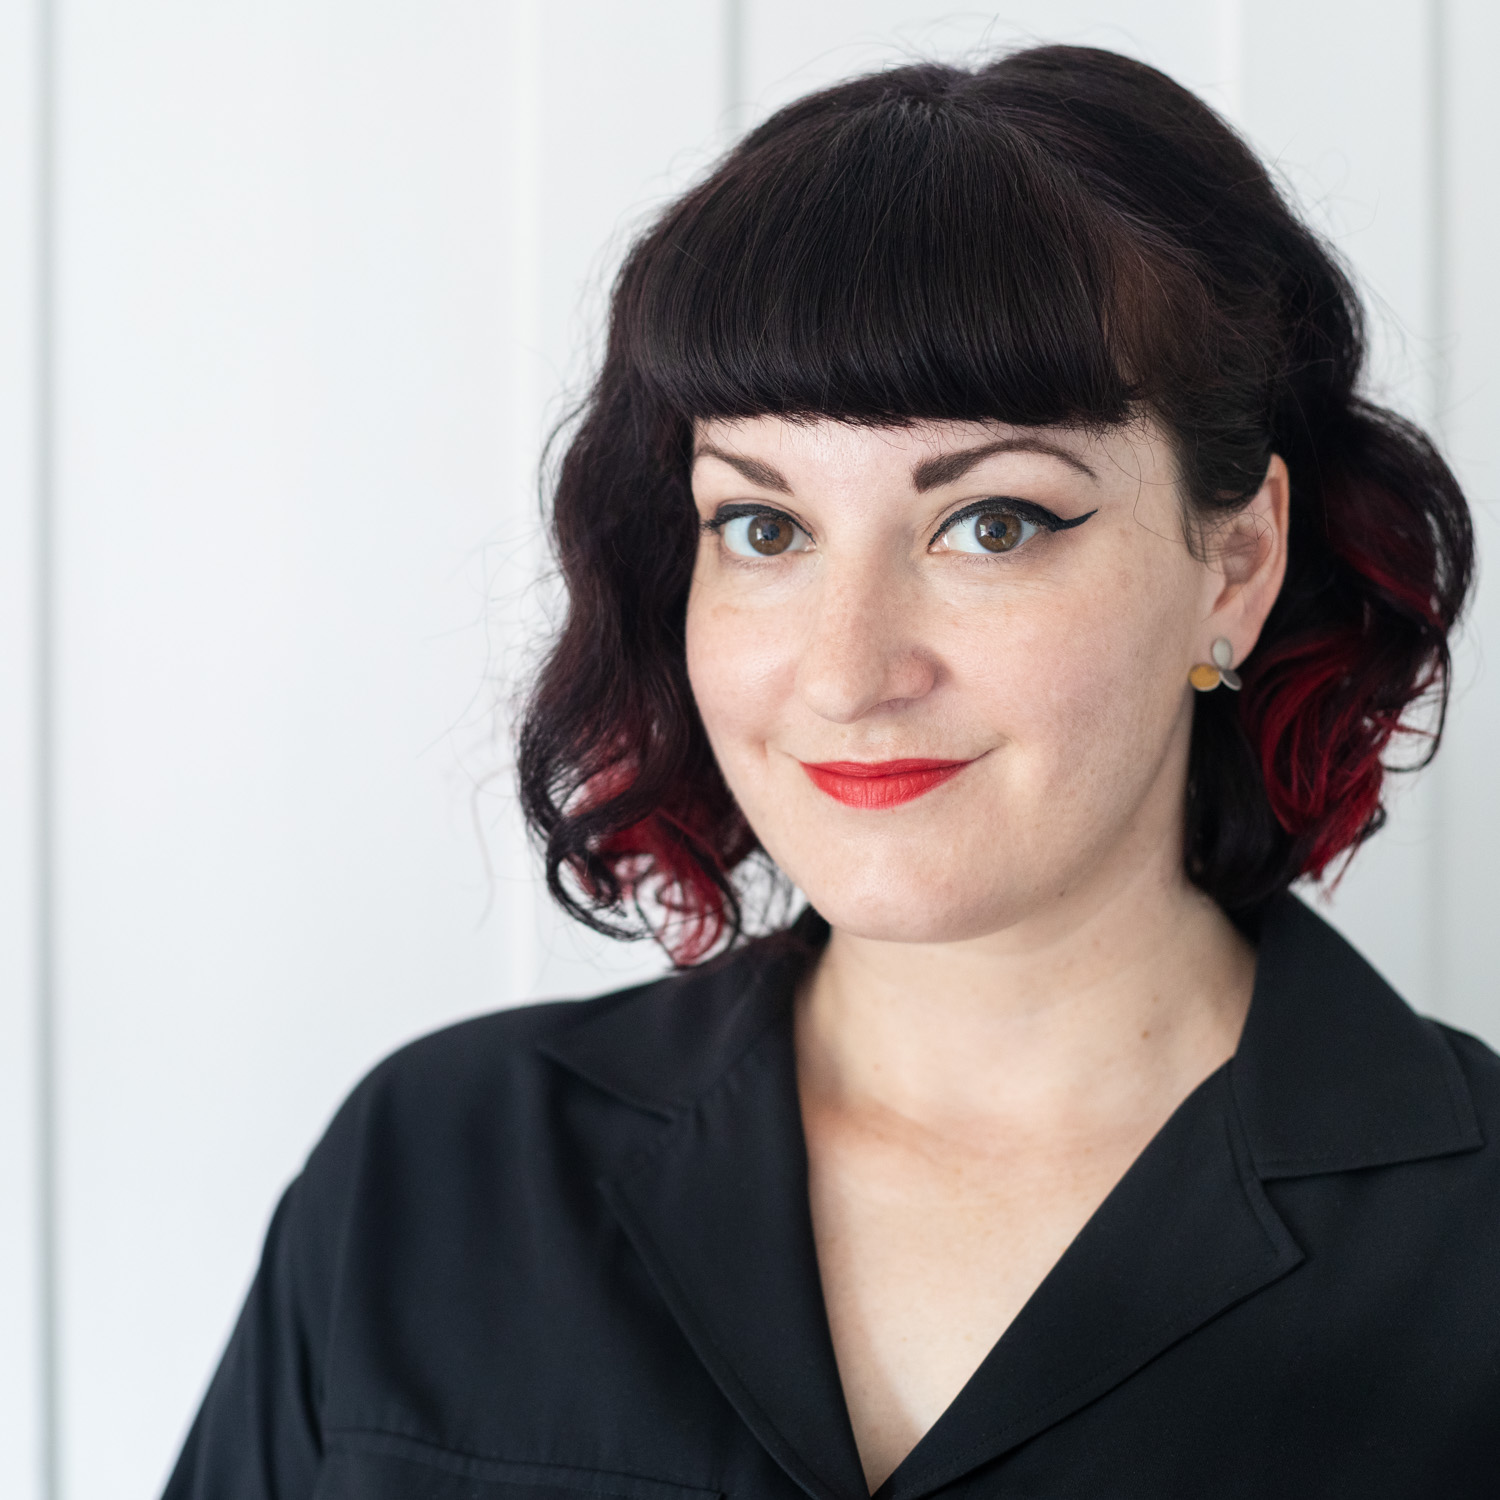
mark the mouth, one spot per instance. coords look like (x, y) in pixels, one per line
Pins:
(874, 784)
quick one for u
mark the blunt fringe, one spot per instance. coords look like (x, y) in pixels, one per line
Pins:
(1063, 236)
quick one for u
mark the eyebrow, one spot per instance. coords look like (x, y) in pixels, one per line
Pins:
(945, 469)
(953, 466)
(749, 468)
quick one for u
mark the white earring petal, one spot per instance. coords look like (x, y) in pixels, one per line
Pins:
(1223, 652)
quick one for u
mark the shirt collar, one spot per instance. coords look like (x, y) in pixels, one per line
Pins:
(1334, 1071)
(709, 1184)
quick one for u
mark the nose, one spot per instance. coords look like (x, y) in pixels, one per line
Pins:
(862, 650)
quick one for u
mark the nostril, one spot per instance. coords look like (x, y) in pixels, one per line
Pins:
(861, 674)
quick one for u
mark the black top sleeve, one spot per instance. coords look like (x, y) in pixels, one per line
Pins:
(258, 1434)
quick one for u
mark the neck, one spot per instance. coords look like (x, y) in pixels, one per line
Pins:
(1090, 1009)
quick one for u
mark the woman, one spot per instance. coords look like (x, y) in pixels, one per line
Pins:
(977, 518)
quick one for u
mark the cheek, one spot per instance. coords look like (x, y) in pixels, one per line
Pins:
(739, 662)
(1083, 684)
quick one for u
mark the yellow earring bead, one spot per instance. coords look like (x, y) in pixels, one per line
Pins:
(1221, 674)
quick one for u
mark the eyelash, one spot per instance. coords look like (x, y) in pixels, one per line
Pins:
(1027, 510)
(727, 513)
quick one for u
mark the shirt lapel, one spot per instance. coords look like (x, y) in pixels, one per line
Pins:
(1186, 1233)
(717, 1207)
(1334, 1072)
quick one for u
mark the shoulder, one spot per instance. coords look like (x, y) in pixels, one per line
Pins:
(503, 1119)
(504, 1045)
(510, 1080)
(1335, 1072)
(1480, 1066)
(491, 1074)
(467, 1114)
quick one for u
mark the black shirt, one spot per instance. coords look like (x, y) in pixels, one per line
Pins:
(566, 1251)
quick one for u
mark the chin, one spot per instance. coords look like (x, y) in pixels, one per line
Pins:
(901, 908)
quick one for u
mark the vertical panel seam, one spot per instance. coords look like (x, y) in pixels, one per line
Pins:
(525, 242)
(1437, 209)
(733, 22)
(1439, 388)
(44, 706)
(1231, 61)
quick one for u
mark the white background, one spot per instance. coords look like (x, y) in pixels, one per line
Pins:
(288, 293)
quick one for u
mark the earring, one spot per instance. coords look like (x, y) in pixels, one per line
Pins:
(1206, 678)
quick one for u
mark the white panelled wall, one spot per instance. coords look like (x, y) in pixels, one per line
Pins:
(284, 311)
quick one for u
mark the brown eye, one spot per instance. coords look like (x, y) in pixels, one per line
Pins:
(763, 535)
(998, 531)
(768, 535)
(985, 531)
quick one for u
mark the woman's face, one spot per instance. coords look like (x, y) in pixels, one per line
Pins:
(1012, 612)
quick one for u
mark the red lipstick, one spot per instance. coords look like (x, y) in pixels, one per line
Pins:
(880, 783)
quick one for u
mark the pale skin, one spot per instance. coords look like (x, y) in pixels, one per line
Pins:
(1021, 985)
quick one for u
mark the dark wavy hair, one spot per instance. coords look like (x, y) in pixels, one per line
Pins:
(1063, 236)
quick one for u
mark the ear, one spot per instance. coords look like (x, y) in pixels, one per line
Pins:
(1248, 563)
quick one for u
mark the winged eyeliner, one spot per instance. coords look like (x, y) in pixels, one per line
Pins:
(1028, 510)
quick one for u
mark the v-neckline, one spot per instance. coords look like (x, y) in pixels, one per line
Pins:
(722, 1217)
(1020, 1312)
(1177, 1239)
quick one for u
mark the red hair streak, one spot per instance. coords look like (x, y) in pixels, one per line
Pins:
(675, 861)
(655, 862)
(1323, 706)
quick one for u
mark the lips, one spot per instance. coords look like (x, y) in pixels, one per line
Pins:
(880, 783)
